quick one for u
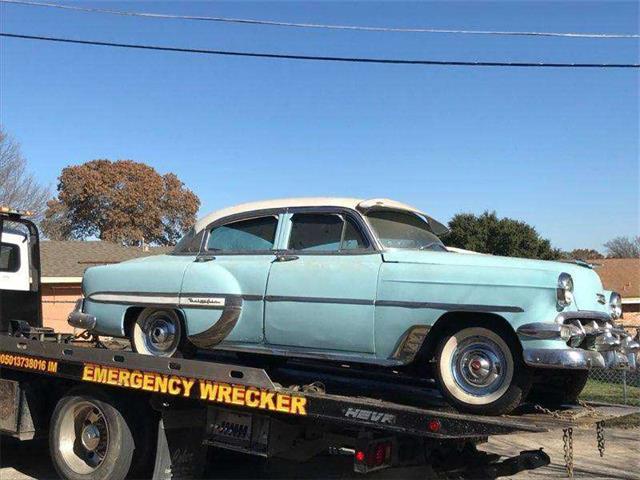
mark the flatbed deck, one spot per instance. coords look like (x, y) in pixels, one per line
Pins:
(410, 409)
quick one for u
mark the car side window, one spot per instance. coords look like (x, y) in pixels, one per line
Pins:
(255, 234)
(321, 232)
(9, 257)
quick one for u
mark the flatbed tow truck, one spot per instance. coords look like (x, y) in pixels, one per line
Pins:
(110, 413)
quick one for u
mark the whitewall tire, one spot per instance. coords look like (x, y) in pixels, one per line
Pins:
(481, 371)
(157, 332)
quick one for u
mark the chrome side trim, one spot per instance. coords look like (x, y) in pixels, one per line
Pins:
(458, 307)
(337, 301)
(216, 300)
(217, 332)
(135, 298)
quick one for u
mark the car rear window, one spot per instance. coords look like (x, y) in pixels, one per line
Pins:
(9, 257)
(253, 235)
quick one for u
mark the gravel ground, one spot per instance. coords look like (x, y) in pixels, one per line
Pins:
(30, 460)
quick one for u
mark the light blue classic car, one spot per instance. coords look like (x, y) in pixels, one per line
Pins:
(365, 282)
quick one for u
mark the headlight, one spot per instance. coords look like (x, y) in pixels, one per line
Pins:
(615, 305)
(564, 290)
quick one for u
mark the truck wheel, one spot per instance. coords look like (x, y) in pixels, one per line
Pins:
(558, 387)
(481, 371)
(89, 439)
(157, 332)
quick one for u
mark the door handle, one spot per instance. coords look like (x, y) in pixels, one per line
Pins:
(286, 258)
(204, 259)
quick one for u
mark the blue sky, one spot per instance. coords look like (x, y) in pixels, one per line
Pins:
(556, 148)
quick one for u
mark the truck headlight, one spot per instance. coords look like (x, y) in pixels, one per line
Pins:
(564, 291)
(615, 305)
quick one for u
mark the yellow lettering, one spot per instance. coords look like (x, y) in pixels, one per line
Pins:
(87, 373)
(208, 391)
(250, 398)
(283, 403)
(100, 375)
(266, 401)
(298, 405)
(224, 393)
(136, 380)
(112, 378)
(237, 395)
(161, 384)
(148, 381)
(123, 378)
(173, 386)
(187, 385)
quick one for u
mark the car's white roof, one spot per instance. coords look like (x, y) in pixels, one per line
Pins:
(351, 203)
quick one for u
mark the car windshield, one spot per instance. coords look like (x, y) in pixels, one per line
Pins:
(396, 229)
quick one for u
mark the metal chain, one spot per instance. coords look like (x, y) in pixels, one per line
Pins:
(600, 437)
(567, 438)
(553, 413)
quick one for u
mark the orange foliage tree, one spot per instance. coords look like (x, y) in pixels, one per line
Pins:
(122, 201)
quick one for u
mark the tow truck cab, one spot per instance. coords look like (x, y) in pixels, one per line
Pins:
(20, 292)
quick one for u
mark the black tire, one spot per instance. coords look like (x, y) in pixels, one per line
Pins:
(553, 388)
(75, 452)
(481, 370)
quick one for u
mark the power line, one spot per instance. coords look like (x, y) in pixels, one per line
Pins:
(321, 26)
(282, 56)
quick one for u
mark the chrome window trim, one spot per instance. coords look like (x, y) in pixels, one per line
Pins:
(230, 220)
(350, 214)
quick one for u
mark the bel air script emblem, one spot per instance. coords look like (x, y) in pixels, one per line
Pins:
(205, 301)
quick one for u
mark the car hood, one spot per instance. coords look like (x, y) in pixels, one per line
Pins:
(515, 271)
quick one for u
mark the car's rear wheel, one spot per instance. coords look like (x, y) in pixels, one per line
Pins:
(157, 332)
(481, 371)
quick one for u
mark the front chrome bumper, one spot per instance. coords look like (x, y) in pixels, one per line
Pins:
(578, 359)
(593, 340)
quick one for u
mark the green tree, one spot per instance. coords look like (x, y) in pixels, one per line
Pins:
(122, 201)
(486, 233)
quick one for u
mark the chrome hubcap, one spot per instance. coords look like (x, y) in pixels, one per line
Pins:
(478, 366)
(84, 437)
(160, 334)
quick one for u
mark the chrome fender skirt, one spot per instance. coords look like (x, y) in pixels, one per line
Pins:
(217, 332)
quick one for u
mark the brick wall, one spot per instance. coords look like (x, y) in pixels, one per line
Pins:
(58, 300)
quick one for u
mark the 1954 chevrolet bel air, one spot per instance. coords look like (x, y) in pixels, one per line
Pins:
(365, 282)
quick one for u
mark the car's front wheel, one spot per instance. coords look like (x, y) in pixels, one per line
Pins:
(481, 371)
(157, 332)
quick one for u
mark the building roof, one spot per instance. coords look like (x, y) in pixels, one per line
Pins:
(69, 259)
(351, 203)
(621, 275)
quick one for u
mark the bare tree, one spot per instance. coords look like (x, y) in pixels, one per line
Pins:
(18, 187)
(623, 247)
